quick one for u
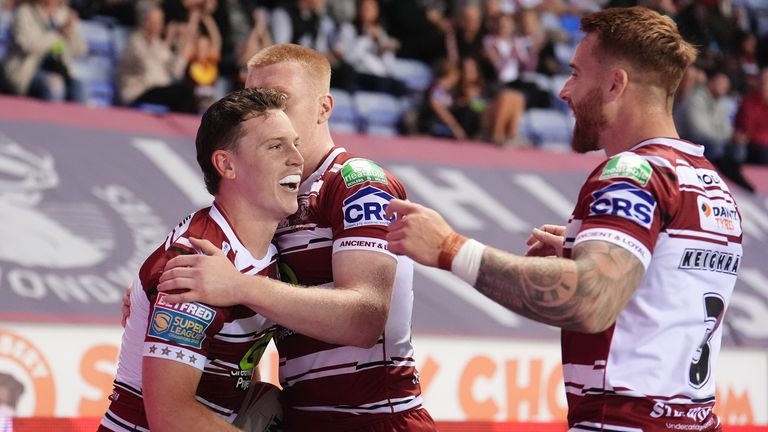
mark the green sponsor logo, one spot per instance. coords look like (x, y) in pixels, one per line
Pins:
(357, 171)
(628, 166)
(252, 357)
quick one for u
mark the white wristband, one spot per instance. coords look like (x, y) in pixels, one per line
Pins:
(466, 263)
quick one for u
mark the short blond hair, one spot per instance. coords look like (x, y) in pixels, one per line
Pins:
(648, 41)
(313, 62)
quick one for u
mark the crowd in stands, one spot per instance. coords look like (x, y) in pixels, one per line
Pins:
(487, 70)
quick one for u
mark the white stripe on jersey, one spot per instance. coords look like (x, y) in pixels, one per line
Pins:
(175, 353)
(618, 238)
(243, 330)
(362, 243)
(658, 161)
(304, 240)
(115, 423)
(698, 234)
(601, 427)
(585, 376)
(333, 362)
(226, 414)
(385, 406)
(682, 146)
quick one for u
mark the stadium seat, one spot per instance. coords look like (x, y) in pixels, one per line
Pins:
(344, 118)
(379, 112)
(547, 128)
(99, 38)
(556, 84)
(5, 33)
(415, 74)
(120, 36)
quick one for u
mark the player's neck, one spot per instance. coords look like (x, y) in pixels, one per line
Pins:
(630, 130)
(253, 227)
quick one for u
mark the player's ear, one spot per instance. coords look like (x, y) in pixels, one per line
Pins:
(326, 107)
(618, 82)
(222, 161)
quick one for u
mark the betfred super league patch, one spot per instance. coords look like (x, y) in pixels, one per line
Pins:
(182, 323)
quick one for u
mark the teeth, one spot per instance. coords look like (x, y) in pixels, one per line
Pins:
(290, 179)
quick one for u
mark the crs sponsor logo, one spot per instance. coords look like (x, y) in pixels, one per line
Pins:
(26, 378)
(366, 207)
(624, 200)
(718, 216)
(183, 323)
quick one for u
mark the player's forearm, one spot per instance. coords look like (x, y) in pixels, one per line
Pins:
(580, 295)
(344, 316)
(190, 415)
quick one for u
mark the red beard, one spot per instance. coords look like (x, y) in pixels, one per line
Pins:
(590, 121)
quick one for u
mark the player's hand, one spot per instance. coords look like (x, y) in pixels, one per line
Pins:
(207, 278)
(126, 309)
(417, 231)
(546, 241)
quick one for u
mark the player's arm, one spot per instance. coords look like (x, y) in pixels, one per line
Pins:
(353, 313)
(583, 294)
(169, 389)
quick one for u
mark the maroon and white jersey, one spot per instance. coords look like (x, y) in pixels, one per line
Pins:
(341, 208)
(223, 343)
(653, 369)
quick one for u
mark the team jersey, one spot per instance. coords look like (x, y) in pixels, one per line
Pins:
(223, 343)
(341, 208)
(653, 368)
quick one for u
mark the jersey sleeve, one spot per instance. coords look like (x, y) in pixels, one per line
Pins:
(354, 201)
(179, 332)
(623, 202)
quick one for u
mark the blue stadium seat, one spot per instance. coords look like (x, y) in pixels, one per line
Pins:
(547, 128)
(5, 33)
(98, 36)
(344, 118)
(415, 74)
(379, 112)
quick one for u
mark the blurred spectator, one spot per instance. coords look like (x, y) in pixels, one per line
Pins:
(121, 10)
(150, 72)
(498, 115)
(511, 54)
(702, 118)
(366, 46)
(439, 113)
(203, 56)
(305, 23)
(257, 39)
(466, 34)
(692, 78)
(341, 11)
(420, 26)
(745, 62)
(46, 37)
(752, 121)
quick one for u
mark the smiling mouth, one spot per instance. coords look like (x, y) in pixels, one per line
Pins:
(290, 182)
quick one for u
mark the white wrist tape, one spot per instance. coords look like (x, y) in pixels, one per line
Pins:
(466, 263)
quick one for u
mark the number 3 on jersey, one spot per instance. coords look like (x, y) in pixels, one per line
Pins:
(714, 306)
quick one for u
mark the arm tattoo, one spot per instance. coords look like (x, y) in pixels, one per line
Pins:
(583, 294)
